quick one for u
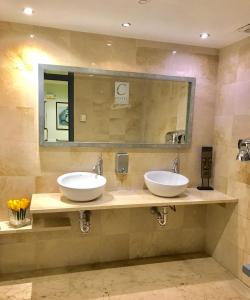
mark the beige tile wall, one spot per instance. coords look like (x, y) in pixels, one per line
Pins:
(227, 233)
(25, 168)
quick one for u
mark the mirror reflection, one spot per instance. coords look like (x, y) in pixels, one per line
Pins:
(115, 107)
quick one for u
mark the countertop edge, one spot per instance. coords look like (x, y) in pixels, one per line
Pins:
(191, 197)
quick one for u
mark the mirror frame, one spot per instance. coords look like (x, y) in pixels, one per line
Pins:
(189, 121)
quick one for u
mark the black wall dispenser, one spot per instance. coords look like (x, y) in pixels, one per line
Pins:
(206, 168)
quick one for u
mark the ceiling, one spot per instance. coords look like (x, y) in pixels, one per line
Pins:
(176, 21)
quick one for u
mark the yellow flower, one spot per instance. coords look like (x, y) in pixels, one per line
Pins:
(17, 204)
(26, 202)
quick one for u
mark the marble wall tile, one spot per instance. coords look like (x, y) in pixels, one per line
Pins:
(17, 88)
(14, 255)
(114, 247)
(19, 159)
(84, 250)
(243, 70)
(228, 59)
(52, 253)
(26, 168)
(194, 217)
(227, 229)
(223, 130)
(120, 217)
(192, 240)
(24, 117)
(47, 182)
(147, 244)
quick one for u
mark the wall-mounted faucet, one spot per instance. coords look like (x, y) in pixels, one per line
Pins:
(98, 167)
(176, 165)
(244, 151)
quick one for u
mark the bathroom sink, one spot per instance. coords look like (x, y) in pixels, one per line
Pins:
(165, 183)
(81, 186)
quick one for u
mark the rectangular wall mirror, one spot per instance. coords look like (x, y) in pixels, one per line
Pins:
(100, 108)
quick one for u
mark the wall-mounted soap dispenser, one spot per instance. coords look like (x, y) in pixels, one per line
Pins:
(121, 163)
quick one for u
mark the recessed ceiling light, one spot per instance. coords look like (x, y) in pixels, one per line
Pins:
(127, 24)
(28, 11)
(174, 52)
(143, 1)
(32, 36)
(204, 35)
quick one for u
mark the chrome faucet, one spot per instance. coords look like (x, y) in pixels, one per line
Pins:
(98, 167)
(176, 165)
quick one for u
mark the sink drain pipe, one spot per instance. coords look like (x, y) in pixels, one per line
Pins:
(162, 214)
(84, 221)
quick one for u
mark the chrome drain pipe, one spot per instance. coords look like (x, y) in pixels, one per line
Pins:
(84, 221)
(162, 216)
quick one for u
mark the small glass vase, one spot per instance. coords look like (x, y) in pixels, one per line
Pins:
(19, 218)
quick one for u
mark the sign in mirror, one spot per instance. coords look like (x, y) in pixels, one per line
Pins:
(87, 107)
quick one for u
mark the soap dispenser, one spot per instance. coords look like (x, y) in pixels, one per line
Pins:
(121, 163)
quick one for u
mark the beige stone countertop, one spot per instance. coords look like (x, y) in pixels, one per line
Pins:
(49, 203)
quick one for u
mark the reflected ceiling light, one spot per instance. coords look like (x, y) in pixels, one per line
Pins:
(143, 1)
(109, 44)
(174, 52)
(127, 24)
(28, 11)
(204, 35)
(32, 36)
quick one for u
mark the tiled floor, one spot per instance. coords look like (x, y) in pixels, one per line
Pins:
(198, 278)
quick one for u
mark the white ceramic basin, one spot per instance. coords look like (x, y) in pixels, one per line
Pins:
(81, 186)
(165, 184)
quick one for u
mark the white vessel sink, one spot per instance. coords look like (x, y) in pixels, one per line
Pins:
(165, 184)
(81, 186)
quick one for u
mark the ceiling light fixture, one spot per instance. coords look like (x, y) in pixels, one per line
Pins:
(32, 36)
(28, 11)
(174, 52)
(127, 24)
(204, 35)
(109, 44)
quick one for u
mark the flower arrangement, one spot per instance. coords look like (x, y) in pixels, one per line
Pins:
(19, 211)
